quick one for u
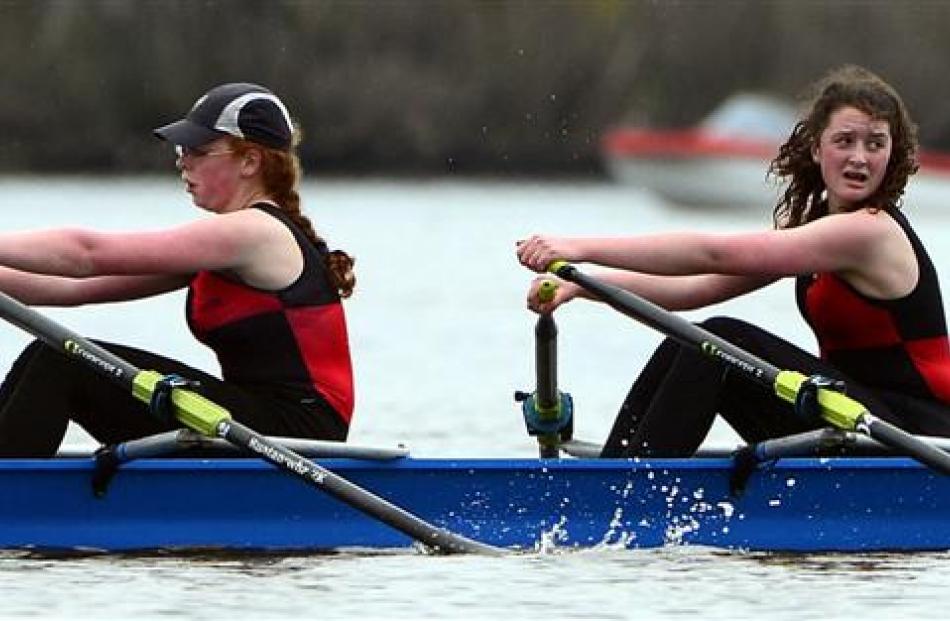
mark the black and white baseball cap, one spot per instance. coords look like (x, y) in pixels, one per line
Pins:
(239, 109)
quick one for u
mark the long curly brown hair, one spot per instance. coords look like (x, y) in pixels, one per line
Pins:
(856, 87)
(281, 174)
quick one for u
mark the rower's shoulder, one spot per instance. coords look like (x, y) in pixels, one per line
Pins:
(867, 221)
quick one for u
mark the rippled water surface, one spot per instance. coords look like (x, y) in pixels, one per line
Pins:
(441, 340)
(664, 583)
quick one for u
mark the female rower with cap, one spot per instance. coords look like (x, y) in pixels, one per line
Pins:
(263, 292)
(865, 285)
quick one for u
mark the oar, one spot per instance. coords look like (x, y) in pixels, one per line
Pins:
(834, 407)
(548, 412)
(208, 418)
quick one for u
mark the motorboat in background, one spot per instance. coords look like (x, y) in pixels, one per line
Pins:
(723, 161)
(929, 189)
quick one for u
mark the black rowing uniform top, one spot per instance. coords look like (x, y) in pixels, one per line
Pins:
(897, 345)
(287, 342)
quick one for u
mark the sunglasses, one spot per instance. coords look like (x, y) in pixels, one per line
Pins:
(181, 152)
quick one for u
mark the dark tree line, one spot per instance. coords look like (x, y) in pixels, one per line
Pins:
(429, 87)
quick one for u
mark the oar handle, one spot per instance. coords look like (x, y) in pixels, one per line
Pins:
(546, 290)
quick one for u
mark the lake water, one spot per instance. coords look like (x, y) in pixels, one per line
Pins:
(441, 340)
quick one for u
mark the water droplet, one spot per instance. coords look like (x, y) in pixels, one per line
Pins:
(727, 508)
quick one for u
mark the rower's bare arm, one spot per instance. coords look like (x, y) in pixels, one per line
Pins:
(679, 293)
(227, 241)
(44, 290)
(838, 243)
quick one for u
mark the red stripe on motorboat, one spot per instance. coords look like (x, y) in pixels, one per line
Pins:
(683, 143)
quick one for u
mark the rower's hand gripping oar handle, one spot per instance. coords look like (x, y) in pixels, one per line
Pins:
(834, 407)
(548, 413)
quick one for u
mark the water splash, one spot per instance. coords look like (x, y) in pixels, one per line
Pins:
(550, 538)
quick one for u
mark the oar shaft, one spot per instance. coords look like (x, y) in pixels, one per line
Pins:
(672, 325)
(896, 438)
(67, 342)
(545, 362)
(319, 477)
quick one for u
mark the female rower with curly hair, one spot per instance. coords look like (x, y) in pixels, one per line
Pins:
(864, 283)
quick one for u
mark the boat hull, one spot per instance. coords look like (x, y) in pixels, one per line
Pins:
(243, 504)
